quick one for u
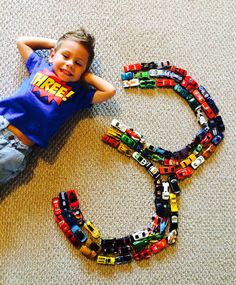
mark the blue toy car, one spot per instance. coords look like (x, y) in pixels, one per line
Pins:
(217, 139)
(79, 234)
(126, 75)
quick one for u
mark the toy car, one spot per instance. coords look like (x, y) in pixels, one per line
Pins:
(189, 83)
(158, 246)
(207, 110)
(78, 216)
(188, 160)
(118, 125)
(198, 149)
(56, 206)
(217, 139)
(111, 141)
(165, 82)
(140, 244)
(147, 83)
(124, 149)
(126, 75)
(140, 235)
(173, 203)
(173, 221)
(108, 245)
(154, 224)
(181, 91)
(142, 75)
(206, 140)
(158, 190)
(87, 251)
(218, 123)
(132, 67)
(152, 170)
(172, 236)
(177, 77)
(114, 133)
(174, 184)
(62, 223)
(198, 96)
(64, 203)
(163, 224)
(209, 151)
(208, 99)
(106, 259)
(200, 117)
(73, 199)
(171, 162)
(197, 162)
(182, 153)
(90, 227)
(135, 135)
(167, 169)
(79, 234)
(165, 193)
(131, 83)
(139, 158)
(183, 173)
(129, 142)
(162, 209)
(125, 258)
(163, 64)
(178, 70)
(143, 254)
(157, 73)
(72, 238)
(149, 65)
(193, 103)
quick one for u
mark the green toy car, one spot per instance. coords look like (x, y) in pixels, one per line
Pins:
(147, 83)
(128, 141)
(142, 75)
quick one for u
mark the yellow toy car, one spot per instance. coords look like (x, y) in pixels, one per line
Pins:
(173, 203)
(91, 228)
(188, 160)
(124, 149)
(106, 259)
(90, 248)
(114, 133)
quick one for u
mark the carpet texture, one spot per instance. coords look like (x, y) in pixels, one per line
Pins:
(115, 193)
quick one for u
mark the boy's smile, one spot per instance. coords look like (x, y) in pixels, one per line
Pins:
(69, 61)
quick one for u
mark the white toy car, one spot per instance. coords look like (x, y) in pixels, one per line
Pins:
(130, 83)
(140, 235)
(118, 125)
(139, 158)
(157, 73)
(197, 162)
(165, 192)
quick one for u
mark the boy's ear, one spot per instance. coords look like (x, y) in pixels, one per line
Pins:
(51, 55)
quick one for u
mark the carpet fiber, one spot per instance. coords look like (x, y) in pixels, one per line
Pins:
(115, 193)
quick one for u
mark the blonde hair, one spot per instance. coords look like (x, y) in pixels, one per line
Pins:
(82, 37)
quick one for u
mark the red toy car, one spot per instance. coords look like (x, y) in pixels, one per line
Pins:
(56, 206)
(198, 96)
(143, 254)
(132, 67)
(159, 246)
(208, 111)
(111, 141)
(165, 82)
(167, 169)
(135, 135)
(178, 70)
(206, 140)
(183, 173)
(171, 161)
(73, 199)
(62, 223)
(189, 83)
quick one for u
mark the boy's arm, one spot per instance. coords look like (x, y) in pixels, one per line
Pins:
(104, 91)
(26, 45)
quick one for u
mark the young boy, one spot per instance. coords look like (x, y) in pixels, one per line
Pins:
(52, 93)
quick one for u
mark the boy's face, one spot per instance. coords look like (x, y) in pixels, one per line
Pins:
(69, 61)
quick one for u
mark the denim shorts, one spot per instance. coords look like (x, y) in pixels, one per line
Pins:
(13, 153)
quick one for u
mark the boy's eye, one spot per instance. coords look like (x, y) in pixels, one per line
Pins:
(78, 63)
(65, 56)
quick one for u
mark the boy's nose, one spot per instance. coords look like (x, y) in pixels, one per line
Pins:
(69, 62)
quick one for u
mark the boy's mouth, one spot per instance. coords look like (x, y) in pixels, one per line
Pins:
(66, 72)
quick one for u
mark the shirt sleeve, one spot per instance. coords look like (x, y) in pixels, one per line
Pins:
(33, 62)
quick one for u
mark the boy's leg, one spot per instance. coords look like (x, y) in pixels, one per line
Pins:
(13, 154)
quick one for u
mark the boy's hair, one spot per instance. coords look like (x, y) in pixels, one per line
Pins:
(82, 37)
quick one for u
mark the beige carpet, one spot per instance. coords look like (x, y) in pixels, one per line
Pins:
(115, 193)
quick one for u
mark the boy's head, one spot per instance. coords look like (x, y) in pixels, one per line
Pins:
(72, 55)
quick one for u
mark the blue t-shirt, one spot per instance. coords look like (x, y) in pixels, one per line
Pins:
(44, 102)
